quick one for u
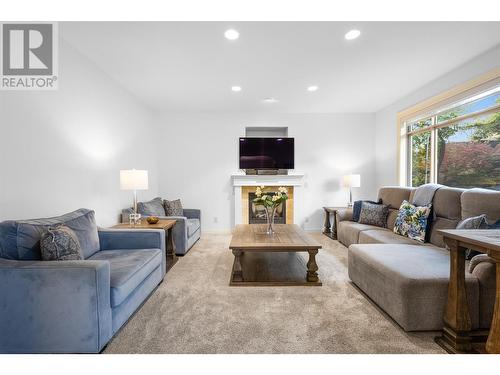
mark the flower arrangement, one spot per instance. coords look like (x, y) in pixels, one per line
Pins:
(270, 201)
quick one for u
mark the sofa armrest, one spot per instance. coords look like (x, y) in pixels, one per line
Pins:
(344, 214)
(192, 213)
(131, 239)
(54, 306)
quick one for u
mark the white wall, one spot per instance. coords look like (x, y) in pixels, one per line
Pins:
(63, 150)
(385, 119)
(201, 152)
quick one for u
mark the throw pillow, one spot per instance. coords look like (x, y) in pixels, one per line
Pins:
(411, 221)
(60, 243)
(475, 222)
(173, 208)
(494, 225)
(356, 208)
(152, 208)
(374, 214)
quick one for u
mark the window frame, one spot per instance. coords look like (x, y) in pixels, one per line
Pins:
(432, 108)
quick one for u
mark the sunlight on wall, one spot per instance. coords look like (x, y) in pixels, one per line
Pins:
(94, 139)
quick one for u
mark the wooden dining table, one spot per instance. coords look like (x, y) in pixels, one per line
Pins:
(457, 335)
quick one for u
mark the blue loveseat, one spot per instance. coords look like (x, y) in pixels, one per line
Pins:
(73, 306)
(187, 229)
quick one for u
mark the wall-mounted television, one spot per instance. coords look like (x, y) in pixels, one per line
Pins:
(267, 153)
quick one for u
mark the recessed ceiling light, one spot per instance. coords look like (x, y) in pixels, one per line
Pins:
(232, 34)
(353, 34)
(236, 88)
(312, 88)
(270, 100)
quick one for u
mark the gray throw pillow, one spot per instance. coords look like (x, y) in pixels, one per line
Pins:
(152, 208)
(374, 214)
(173, 208)
(60, 243)
(475, 222)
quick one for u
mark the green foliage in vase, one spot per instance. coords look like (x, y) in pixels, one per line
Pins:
(270, 199)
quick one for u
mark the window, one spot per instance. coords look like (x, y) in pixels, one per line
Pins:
(457, 144)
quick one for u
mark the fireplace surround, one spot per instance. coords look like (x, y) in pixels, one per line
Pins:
(243, 184)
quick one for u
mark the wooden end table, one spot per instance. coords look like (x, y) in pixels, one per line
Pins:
(167, 226)
(457, 336)
(330, 230)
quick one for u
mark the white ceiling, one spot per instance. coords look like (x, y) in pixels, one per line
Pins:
(190, 66)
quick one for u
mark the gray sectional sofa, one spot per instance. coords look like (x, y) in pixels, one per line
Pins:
(408, 279)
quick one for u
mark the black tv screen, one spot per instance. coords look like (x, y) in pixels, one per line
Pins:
(267, 153)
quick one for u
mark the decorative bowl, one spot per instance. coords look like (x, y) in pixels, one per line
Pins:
(152, 219)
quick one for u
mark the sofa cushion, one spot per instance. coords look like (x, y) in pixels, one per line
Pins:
(446, 203)
(154, 207)
(440, 223)
(192, 226)
(394, 195)
(481, 201)
(348, 231)
(384, 236)
(412, 221)
(21, 239)
(128, 268)
(374, 214)
(60, 243)
(409, 282)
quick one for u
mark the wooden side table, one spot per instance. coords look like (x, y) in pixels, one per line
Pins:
(457, 335)
(330, 230)
(167, 226)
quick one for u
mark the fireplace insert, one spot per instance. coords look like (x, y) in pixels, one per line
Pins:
(257, 213)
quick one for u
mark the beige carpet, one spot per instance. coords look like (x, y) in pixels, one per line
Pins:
(195, 311)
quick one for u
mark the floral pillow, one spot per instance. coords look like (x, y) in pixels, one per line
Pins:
(412, 221)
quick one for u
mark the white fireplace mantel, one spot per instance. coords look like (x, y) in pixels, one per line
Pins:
(240, 180)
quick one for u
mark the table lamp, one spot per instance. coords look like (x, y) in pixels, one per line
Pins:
(350, 181)
(134, 179)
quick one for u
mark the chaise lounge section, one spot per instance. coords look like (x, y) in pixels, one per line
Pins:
(408, 279)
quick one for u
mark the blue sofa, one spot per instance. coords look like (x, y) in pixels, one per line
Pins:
(73, 306)
(187, 229)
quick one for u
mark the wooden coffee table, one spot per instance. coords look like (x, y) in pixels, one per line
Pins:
(273, 260)
(167, 226)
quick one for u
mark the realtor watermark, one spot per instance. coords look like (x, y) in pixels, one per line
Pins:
(28, 56)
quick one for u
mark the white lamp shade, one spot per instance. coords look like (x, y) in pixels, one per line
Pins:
(351, 180)
(133, 179)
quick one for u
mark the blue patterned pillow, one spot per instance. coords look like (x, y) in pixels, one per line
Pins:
(411, 221)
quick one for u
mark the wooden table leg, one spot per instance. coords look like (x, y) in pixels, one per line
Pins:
(327, 225)
(312, 267)
(493, 343)
(457, 322)
(171, 256)
(334, 225)
(237, 272)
